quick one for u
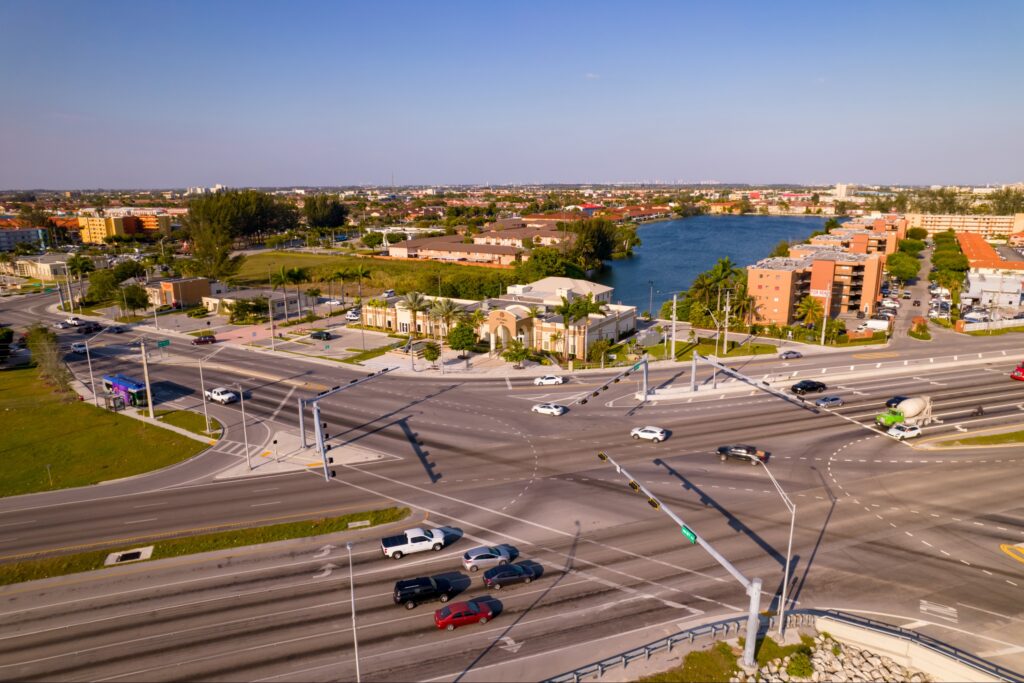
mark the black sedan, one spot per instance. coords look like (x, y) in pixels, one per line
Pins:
(895, 401)
(204, 339)
(808, 386)
(496, 577)
(742, 452)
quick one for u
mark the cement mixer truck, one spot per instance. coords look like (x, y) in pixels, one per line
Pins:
(915, 411)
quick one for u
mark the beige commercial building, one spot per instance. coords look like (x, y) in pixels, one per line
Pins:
(96, 229)
(989, 227)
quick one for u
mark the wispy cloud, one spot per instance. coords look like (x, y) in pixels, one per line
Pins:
(590, 76)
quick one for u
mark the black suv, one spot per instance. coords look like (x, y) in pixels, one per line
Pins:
(807, 386)
(322, 336)
(87, 328)
(742, 452)
(414, 591)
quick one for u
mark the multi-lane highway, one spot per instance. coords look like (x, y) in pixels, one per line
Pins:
(908, 535)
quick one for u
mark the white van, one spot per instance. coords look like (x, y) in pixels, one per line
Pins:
(78, 347)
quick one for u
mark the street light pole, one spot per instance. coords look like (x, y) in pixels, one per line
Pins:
(202, 386)
(145, 376)
(92, 381)
(352, 596)
(650, 301)
(245, 433)
(789, 547)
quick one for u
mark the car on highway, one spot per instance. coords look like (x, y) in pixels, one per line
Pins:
(204, 339)
(484, 556)
(456, 614)
(547, 380)
(412, 592)
(808, 386)
(353, 315)
(411, 541)
(74, 321)
(505, 575)
(116, 329)
(743, 452)
(78, 347)
(829, 402)
(790, 355)
(322, 335)
(61, 325)
(655, 434)
(549, 409)
(89, 327)
(221, 395)
(904, 431)
(895, 401)
(1018, 372)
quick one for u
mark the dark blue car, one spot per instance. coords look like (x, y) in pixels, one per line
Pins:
(496, 577)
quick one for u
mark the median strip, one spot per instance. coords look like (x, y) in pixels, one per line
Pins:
(31, 570)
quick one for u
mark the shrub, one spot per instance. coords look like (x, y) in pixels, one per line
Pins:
(800, 665)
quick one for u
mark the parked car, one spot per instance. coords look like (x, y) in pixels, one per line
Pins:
(204, 339)
(790, 355)
(457, 614)
(484, 556)
(904, 431)
(508, 574)
(907, 295)
(388, 292)
(829, 402)
(742, 452)
(353, 315)
(548, 380)
(917, 303)
(549, 409)
(808, 386)
(221, 395)
(655, 434)
(333, 302)
(78, 347)
(889, 303)
(861, 315)
(322, 335)
(412, 592)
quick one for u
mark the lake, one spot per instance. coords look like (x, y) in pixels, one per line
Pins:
(674, 252)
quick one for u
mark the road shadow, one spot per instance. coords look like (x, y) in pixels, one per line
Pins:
(794, 594)
(417, 449)
(400, 409)
(734, 522)
(504, 639)
(458, 581)
(451, 534)
(165, 391)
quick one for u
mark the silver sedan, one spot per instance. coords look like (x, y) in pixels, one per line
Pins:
(483, 557)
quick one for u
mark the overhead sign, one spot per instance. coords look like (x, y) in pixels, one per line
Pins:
(163, 342)
(690, 536)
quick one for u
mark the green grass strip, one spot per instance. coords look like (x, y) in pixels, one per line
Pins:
(31, 570)
(988, 439)
(370, 353)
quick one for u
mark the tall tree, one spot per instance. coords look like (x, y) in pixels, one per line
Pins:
(446, 311)
(359, 272)
(246, 214)
(210, 244)
(79, 266)
(134, 297)
(42, 344)
(810, 310)
(415, 303)
(566, 310)
(325, 211)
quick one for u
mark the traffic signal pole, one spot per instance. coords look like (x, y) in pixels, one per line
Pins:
(752, 586)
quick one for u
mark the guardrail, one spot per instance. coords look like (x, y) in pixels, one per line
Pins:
(799, 617)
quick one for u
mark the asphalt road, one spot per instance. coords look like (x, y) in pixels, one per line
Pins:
(906, 535)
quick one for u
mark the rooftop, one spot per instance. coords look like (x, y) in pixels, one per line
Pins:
(981, 254)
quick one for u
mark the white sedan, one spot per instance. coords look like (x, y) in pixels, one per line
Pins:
(904, 431)
(333, 302)
(655, 434)
(549, 409)
(548, 379)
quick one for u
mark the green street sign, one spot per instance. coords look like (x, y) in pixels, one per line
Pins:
(690, 536)
(326, 346)
(163, 342)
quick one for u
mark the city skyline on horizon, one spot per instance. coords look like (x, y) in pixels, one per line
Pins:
(871, 94)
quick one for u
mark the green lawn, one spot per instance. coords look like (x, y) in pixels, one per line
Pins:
(988, 439)
(987, 333)
(82, 444)
(30, 570)
(371, 353)
(193, 422)
(717, 664)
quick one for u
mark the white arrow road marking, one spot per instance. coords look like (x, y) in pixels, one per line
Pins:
(940, 610)
(510, 645)
(324, 551)
(959, 428)
(325, 571)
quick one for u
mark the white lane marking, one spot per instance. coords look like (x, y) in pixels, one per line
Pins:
(939, 610)
(273, 488)
(140, 521)
(148, 505)
(31, 521)
(283, 403)
(259, 505)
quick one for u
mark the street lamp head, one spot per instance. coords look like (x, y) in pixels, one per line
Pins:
(634, 485)
(602, 456)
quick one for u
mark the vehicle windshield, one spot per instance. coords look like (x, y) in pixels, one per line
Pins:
(444, 612)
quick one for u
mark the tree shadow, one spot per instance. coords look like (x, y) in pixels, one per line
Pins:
(504, 635)
(734, 522)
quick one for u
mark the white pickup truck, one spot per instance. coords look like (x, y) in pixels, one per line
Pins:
(412, 541)
(221, 395)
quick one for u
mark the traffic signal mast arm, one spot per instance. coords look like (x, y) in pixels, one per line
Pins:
(615, 380)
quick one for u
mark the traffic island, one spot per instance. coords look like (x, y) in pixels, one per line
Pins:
(1005, 436)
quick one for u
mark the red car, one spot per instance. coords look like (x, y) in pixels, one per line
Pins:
(1018, 372)
(457, 614)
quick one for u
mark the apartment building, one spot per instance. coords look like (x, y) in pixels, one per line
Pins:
(524, 312)
(518, 237)
(452, 248)
(844, 283)
(989, 227)
(11, 237)
(96, 229)
(48, 267)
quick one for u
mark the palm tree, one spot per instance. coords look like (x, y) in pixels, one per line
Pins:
(341, 274)
(566, 309)
(446, 311)
(79, 266)
(415, 303)
(280, 279)
(810, 309)
(583, 309)
(359, 272)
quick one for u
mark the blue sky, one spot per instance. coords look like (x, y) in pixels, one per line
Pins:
(162, 94)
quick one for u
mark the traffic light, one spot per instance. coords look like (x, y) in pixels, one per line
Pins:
(654, 503)
(634, 485)
(602, 456)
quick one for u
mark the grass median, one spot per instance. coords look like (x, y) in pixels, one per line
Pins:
(47, 567)
(987, 440)
(54, 441)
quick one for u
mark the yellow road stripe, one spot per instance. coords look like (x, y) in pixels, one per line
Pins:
(314, 464)
(1014, 551)
(172, 534)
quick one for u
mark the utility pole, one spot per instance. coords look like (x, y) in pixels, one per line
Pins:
(92, 381)
(789, 547)
(825, 313)
(145, 376)
(650, 300)
(352, 597)
(725, 342)
(674, 297)
(270, 312)
(245, 433)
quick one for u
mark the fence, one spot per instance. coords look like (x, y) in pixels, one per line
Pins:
(993, 325)
(795, 618)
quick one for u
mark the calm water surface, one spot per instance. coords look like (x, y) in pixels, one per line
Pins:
(674, 252)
